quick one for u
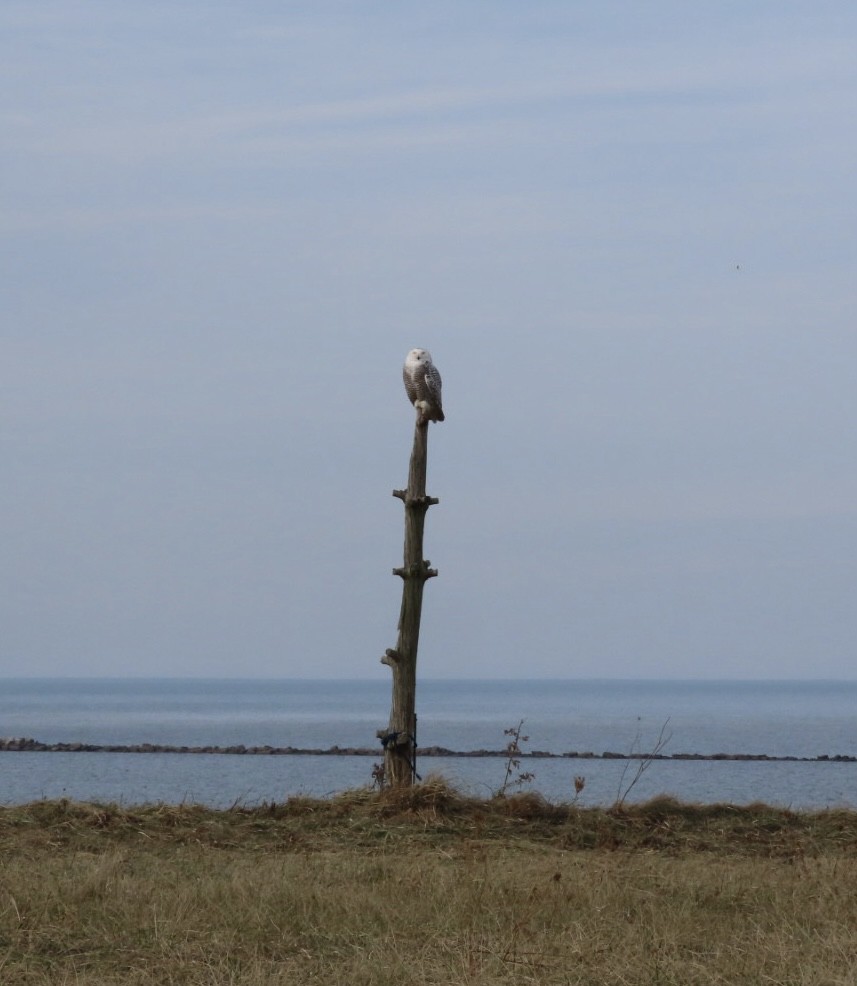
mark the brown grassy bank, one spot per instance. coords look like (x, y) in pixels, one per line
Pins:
(427, 887)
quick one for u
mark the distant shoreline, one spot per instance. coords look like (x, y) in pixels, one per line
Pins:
(28, 745)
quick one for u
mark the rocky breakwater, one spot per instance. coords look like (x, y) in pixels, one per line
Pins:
(28, 745)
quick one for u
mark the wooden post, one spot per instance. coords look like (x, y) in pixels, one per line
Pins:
(399, 739)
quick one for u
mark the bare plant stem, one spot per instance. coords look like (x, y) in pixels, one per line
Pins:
(513, 760)
(644, 761)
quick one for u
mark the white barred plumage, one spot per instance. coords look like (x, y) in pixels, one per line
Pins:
(423, 385)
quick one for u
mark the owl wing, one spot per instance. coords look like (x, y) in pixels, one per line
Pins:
(434, 384)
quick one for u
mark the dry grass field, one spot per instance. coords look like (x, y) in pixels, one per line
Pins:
(426, 887)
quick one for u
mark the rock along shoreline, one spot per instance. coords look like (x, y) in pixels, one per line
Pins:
(29, 745)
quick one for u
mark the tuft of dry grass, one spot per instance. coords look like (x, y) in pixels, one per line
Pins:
(426, 886)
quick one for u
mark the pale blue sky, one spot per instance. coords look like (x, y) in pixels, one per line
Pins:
(627, 233)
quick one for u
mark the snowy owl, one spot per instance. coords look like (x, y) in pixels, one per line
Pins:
(422, 382)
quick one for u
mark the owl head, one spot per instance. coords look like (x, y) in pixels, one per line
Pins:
(418, 356)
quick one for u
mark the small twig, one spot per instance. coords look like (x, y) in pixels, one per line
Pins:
(645, 761)
(513, 760)
(378, 776)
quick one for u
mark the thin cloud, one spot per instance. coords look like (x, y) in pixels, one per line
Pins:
(428, 115)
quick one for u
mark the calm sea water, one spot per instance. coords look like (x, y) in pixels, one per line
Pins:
(802, 719)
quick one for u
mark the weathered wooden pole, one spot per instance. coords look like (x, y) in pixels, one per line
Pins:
(399, 740)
